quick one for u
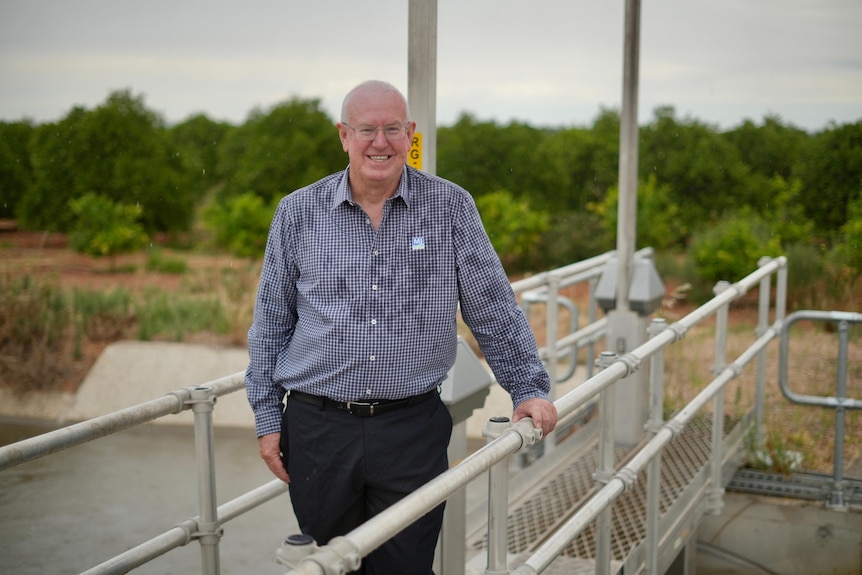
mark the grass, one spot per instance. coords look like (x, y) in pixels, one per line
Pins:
(790, 431)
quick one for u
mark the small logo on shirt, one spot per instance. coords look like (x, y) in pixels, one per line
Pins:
(418, 244)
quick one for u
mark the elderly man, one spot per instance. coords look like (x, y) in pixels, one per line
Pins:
(355, 322)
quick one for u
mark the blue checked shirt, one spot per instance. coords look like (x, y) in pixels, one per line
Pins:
(353, 313)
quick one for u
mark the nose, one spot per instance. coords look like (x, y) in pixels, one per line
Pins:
(380, 138)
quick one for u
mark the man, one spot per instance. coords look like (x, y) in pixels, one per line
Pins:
(355, 320)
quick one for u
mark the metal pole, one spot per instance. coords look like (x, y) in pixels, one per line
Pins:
(605, 471)
(716, 492)
(628, 168)
(837, 498)
(498, 504)
(202, 401)
(762, 326)
(422, 77)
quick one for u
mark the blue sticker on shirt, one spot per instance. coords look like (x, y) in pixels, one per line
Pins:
(418, 244)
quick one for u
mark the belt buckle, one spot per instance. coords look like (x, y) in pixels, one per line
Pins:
(360, 404)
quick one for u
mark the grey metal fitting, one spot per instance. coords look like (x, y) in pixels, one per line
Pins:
(656, 326)
(720, 287)
(675, 427)
(495, 427)
(631, 362)
(348, 551)
(183, 397)
(628, 478)
(530, 435)
(295, 549)
(679, 331)
(606, 359)
(603, 477)
(202, 398)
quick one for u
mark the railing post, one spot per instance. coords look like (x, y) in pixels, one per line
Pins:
(762, 326)
(592, 312)
(552, 330)
(654, 423)
(715, 494)
(604, 523)
(498, 503)
(837, 495)
(209, 532)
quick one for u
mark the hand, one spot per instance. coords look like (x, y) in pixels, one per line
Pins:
(543, 412)
(270, 452)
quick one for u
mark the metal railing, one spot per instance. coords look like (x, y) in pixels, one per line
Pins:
(206, 527)
(345, 553)
(839, 402)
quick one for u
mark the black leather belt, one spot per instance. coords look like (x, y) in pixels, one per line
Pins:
(362, 408)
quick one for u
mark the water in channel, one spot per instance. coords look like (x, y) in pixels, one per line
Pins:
(72, 510)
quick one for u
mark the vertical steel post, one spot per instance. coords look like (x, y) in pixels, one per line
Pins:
(715, 495)
(552, 328)
(837, 495)
(209, 532)
(422, 77)
(656, 419)
(603, 474)
(592, 311)
(498, 504)
(628, 168)
(762, 326)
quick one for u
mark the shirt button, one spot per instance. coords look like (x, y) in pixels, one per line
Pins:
(368, 392)
(375, 252)
(371, 358)
(367, 221)
(373, 322)
(374, 287)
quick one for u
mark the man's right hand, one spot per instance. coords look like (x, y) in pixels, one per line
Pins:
(270, 452)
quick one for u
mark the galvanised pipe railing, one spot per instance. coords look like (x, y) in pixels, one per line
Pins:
(345, 553)
(59, 439)
(839, 402)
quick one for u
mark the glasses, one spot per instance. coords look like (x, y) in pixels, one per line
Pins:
(369, 133)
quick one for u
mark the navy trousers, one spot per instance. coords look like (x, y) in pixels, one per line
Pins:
(345, 469)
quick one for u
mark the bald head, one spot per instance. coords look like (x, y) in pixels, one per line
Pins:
(370, 90)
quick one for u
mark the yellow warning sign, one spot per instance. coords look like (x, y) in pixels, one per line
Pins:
(415, 156)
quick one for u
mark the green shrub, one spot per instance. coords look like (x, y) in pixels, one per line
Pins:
(105, 228)
(730, 249)
(515, 229)
(241, 224)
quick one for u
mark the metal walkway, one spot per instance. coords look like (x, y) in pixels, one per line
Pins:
(566, 482)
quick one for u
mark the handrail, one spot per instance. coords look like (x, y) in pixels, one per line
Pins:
(75, 434)
(345, 553)
(839, 402)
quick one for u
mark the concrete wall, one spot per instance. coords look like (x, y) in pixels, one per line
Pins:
(757, 535)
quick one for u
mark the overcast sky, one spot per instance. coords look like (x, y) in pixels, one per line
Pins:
(544, 62)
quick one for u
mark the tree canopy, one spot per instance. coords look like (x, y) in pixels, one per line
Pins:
(798, 186)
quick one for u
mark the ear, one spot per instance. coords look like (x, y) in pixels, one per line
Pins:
(342, 135)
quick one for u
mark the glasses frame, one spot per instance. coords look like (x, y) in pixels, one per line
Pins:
(402, 133)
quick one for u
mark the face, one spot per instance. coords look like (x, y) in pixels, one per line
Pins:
(376, 163)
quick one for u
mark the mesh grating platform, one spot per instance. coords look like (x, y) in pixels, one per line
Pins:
(531, 521)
